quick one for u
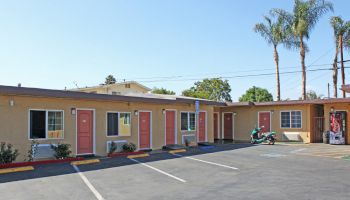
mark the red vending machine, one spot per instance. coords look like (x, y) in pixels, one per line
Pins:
(337, 127)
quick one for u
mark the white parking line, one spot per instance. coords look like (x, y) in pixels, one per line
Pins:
(208, 162)
(158, 170)
(298, 150)
(87, 182)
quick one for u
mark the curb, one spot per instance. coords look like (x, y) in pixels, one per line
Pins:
(124, 154)
(41, 162)
(177, 151)
(16, 169)
(85, 162)
(139, 155)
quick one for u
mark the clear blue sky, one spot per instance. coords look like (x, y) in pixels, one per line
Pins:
(51, 44)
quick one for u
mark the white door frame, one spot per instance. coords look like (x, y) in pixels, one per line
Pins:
(175, 135)
(138, 128)
(93, 130)
(223, 122)
(217, 123)
(259, 119)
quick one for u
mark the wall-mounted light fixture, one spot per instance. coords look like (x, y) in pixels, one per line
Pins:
(163, 111)
(332, 109)
(136, 112)
(234, 114)
(12, 103)
(73, 111)
(272, 111)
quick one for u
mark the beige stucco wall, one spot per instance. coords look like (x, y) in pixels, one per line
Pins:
(120, 88)
(337, 107)
(246, 119)
(14, 125)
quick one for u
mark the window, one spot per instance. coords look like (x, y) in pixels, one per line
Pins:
(285, 119)
(112, 123)
(188, 121)
(37, 124)
(46, 124)
(291, 119)
(118, 124)
(296, 119)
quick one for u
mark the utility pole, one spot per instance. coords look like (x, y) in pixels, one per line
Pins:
(328, 91)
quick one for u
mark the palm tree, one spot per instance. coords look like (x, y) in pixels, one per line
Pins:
(341, 31)
(274, 33)
(301, 21)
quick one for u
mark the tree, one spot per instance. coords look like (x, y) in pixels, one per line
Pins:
(274, 32)
(312, 95)
(256, 94)
(300, 22)
(110, 80)
(347, 41)
(341, 31)
(214, 89)
(156, 90)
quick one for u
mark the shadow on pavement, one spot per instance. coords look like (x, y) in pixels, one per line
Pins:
(50, 170)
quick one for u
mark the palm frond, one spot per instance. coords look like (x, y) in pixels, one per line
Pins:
(264, 31)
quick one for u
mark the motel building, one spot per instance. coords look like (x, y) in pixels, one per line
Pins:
(89, 119)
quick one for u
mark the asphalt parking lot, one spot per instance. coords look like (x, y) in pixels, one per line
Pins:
(231, 171)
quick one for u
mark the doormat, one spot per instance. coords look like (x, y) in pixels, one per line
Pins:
(204, 144)
(173, 147)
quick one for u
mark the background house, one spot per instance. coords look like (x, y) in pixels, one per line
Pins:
(123, 88)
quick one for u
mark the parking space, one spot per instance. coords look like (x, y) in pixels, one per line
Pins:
(223, 172)
(327, 151)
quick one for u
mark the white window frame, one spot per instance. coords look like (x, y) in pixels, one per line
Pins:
(290, 119)
(46, 124)
(188, 121)
(117, 112)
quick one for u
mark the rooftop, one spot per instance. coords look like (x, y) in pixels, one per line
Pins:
(146, 98)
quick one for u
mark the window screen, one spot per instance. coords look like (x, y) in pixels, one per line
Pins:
(112, 124)
(192, 122)
(184, 121)
(296, 119)
(37, 124)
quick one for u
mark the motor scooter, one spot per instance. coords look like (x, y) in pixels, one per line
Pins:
(256, 139)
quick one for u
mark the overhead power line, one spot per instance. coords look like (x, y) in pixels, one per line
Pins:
(222, 73)
(242, 76)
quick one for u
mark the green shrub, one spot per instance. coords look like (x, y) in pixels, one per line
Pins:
(113, 147)
(61, 150)
(7, 154)
(129, 147)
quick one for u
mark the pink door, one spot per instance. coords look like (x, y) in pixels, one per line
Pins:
(145, 130)
(228, 126)
(216, 132)
(170, 127)
(201, 127)
(264, 120)
(84, 132)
